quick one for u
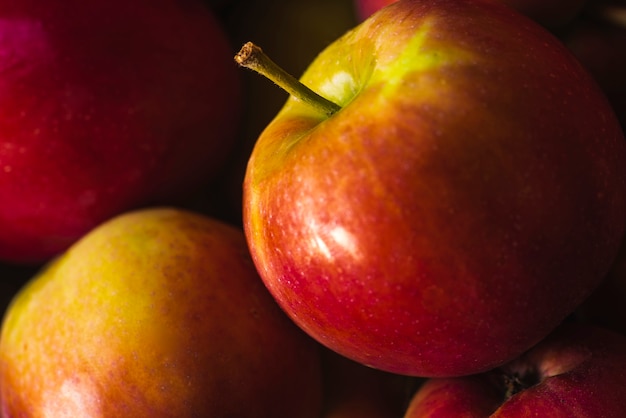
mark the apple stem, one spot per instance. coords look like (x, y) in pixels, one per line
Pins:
(252, 57)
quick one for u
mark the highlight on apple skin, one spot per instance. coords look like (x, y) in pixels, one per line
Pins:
(468, 195)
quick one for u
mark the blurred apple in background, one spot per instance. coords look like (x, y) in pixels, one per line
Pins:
(155, 313)
(577, 371)
(107, 106)
(467, 196)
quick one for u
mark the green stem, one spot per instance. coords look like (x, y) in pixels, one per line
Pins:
(252, 57)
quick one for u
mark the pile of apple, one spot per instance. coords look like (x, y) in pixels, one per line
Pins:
(430, 224)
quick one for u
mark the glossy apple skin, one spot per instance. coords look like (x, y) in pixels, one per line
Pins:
(157, 313)
(108, 106)
(579, 371)
(456, 209)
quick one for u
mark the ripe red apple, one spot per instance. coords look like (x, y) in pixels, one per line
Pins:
(465, 195)
(107, 105)
(155, 313)
(577, 372)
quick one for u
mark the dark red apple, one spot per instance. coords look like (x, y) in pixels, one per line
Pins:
(461, 194)
(577, 372)
(106, 106)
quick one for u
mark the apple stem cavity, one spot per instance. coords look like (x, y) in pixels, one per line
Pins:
(512, 382)
(252, 57)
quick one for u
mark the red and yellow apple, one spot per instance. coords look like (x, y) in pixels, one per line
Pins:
(578, 371)
(155, 313)
(460, 190)
(107, 106)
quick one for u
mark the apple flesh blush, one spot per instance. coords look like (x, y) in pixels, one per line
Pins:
(469, 194)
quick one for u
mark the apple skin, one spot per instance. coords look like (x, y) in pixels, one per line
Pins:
(156, 313)
(578, 371)
(108, 106)
(469, 195)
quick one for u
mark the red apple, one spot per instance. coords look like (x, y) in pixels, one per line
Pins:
(155, 313)
(107, 105)
(577, 372)
(465, 195)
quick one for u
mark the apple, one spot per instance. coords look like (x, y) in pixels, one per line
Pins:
(155, 313)
(107, 106)
(446, 185)
(578, 371)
